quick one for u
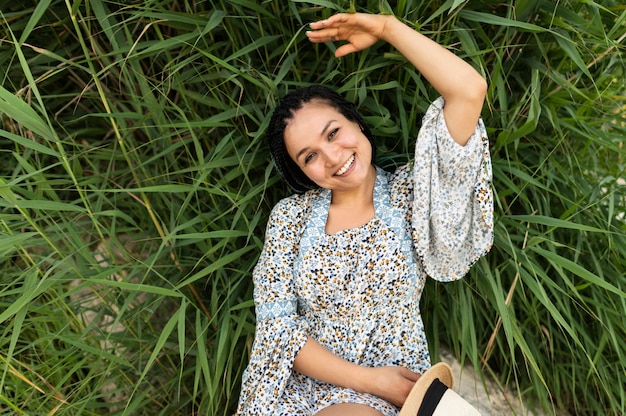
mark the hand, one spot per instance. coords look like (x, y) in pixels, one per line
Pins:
(390, 383)
(360, 31)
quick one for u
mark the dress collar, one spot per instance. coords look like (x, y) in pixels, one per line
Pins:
(381, 197)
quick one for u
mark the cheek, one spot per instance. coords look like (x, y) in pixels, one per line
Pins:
(366, 146)
(312, 169)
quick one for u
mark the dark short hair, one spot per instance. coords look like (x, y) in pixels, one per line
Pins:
(288, 105)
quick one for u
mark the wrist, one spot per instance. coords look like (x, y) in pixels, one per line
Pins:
(392, 27)
(362, 380)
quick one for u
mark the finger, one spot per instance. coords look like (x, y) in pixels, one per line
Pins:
(410, 374)
(330, 22)
(326, 35)
(318, 25)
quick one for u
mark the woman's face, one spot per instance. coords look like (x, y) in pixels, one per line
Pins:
(330, 149)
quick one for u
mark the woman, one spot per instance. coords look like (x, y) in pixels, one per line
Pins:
(338, 284)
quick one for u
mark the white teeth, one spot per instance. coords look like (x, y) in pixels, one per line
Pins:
(345, 167)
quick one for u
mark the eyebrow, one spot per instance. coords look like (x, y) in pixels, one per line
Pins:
(302, 151)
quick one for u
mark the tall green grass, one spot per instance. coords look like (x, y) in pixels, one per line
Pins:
(135, 185)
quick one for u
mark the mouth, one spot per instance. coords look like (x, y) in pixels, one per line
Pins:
(346, 167)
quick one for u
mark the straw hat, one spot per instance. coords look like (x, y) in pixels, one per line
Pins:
(432, 395)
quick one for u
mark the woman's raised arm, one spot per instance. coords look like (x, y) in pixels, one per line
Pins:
(461, 86)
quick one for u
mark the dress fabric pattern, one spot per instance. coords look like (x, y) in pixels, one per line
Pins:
(357, 291)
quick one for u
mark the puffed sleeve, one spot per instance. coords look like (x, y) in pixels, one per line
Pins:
(452, 211)
(280, 333)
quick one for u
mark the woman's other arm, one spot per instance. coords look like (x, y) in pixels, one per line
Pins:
(390, 383)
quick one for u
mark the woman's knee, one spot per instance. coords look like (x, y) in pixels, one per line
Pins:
(343, 409)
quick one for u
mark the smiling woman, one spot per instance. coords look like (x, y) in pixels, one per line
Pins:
(345, 260)
(331, 150)
(133, 172)
(290, 163)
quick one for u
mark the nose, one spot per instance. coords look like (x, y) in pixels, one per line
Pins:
(332, 154)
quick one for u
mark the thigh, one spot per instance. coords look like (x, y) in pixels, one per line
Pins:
(343, 409)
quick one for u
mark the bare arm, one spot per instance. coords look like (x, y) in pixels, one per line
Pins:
(462, 88)
(390, 383)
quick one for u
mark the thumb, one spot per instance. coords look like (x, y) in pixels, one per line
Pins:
(344, 50)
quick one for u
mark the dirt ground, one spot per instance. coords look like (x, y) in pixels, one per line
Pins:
(485, 395)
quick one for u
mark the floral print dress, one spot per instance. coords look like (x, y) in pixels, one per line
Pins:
(357, 291)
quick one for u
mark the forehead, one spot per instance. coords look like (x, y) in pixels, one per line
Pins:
(311, 119)
(313, 108)
(307, 124)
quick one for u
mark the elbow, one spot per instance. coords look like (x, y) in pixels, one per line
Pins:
(483, 86)
(475, 95)
(471, 91)
(478, 90)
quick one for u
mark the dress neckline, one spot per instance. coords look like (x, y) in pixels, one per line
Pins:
(323, 205)
(352, 230)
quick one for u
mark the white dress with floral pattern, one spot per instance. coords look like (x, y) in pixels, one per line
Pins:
(357, 292)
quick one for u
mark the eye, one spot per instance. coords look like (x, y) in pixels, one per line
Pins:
(308, 157)
(332, 133)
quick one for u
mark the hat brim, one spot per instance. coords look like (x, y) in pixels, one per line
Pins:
(442, 371)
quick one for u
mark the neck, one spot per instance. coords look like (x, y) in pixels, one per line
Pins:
(359, 196)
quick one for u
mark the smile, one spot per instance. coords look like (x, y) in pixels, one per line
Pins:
(345, 167)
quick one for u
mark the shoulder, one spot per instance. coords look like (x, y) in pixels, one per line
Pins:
(293, 209)
(401, 175)
(400, 185)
